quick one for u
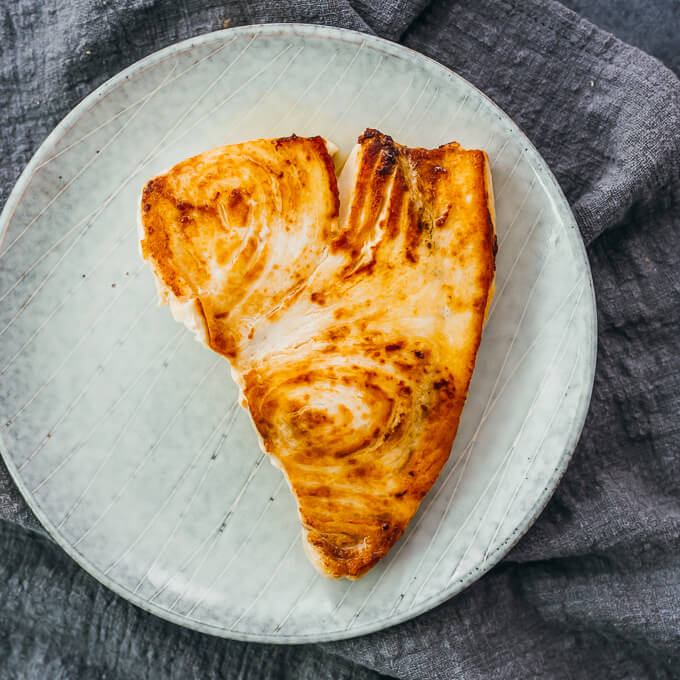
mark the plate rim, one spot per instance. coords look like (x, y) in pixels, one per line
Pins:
(562, 207)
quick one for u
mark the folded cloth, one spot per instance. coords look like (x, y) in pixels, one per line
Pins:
(593, 589)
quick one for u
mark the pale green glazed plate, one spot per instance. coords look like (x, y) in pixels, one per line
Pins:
(123, 433)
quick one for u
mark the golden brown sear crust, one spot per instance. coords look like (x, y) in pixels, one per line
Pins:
(352, 322)
(213, 225)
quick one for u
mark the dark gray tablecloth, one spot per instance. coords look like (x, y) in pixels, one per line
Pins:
(651, 25)
(593, 590)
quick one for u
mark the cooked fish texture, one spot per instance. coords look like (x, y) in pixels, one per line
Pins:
(350, 312)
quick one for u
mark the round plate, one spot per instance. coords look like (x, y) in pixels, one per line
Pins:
(124, 434)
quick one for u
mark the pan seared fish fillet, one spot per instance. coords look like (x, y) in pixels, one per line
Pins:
(350, 312)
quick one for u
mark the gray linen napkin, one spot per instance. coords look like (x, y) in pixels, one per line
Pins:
(593, 590)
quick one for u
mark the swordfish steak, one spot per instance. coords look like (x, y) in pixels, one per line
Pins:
(350, 311)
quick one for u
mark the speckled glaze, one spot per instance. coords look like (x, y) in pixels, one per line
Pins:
(124, 434)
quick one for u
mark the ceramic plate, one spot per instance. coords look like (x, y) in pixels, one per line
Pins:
(124, 433)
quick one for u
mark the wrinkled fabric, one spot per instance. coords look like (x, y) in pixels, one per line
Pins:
(593, 589)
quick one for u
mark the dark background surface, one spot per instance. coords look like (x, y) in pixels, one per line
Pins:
(651, 25)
